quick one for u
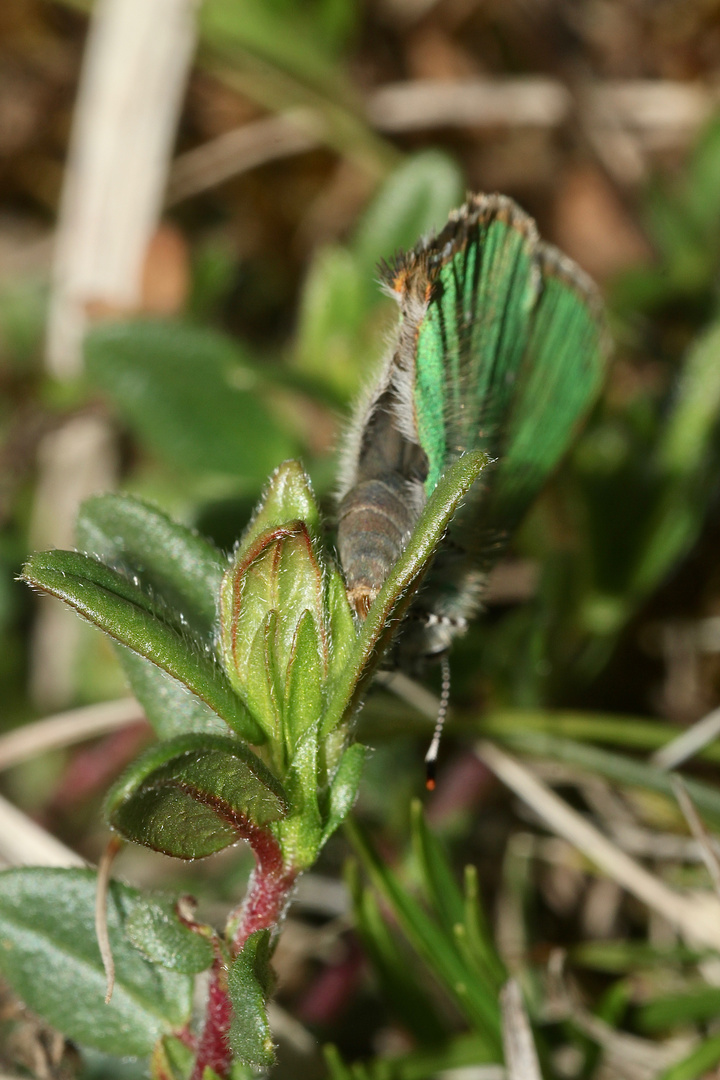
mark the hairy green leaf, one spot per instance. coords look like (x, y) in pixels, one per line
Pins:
(168, 705)
(304, 680)
(175, 562)
(129, 614)
(193, 796)
(288, 496)
(190, 394)
(343, 788)
(50, 957)
(277, 575)
(158, 926)
(250, 981)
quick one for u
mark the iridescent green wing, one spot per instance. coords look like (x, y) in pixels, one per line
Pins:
(472, 343)
(510, 354)
(563, 372)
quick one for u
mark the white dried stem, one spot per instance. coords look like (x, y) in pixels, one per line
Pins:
(708, 847)
(427, 103)
(134, 74)
(521, 1060)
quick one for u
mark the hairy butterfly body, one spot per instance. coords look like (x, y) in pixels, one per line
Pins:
(500, 347)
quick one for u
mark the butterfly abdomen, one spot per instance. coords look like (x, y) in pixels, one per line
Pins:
(374, 521)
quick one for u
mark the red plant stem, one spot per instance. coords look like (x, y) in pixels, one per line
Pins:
(266, 899)
(213, 1048)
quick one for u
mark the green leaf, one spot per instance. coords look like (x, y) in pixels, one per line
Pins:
(689, 429)
(344, 788)
(171, 1060)
(301, 832)
(250, 982)
(342, 627)
(416, 199)
(157, 927)
(189, 394)
(397, 592)
(639, 733)
(288, 496)
(272, 56)
(175, 562)
(193, 796)
(333, 317)
(436, 877)
(304, 681)
(50, 957)
(126, 612)
(688, 462)
(664, 1013)
(702, 195)
(479, 943)
(168, 705)
(285, 37)
(460, 916)
(462, 1053)
(619, 957)
(262, 684)
(335, 1064)
(279, 573)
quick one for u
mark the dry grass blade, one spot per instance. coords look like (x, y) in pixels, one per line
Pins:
(410, 692)
(521, 1060)
(697, 828)
(24, 843)
(696, 916)
(241, 149)
(428, 103)
(290, 1030)
(689, 743)
(66, 728)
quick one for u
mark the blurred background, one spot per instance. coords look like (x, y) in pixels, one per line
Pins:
(193, 202)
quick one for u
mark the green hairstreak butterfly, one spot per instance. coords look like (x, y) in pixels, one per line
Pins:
(501, 346)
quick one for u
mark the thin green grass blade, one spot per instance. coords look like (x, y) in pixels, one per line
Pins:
(696, 1064)
(478, 1002)
(397, 977)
